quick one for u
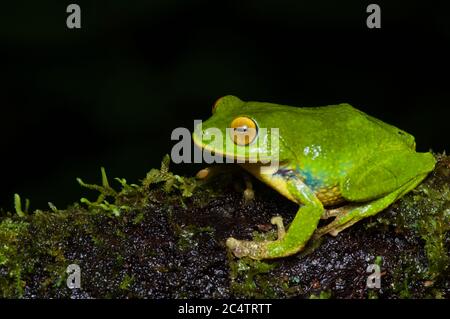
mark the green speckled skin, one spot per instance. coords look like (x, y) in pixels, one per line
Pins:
(328, 155)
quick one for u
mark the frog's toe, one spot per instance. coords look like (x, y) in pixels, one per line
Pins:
(336, 212)
(278, 221)
(249, 195)
(245, 248)
(203, 173)
(334, 232)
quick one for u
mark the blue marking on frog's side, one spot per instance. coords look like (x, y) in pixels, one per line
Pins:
(313, 181)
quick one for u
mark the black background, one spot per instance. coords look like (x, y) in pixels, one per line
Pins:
(110, 93)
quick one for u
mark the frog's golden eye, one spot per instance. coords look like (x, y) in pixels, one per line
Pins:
(243, 130)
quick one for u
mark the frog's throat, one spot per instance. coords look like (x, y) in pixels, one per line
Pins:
(236, 157)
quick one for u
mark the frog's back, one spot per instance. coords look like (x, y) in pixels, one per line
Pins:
(344, 127)
(337, 129)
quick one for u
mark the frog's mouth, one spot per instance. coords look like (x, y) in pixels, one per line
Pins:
(198, 141)
(230, 156)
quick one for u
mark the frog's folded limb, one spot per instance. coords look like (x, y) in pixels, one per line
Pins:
(290, 242)
(385, 172)
(376, 184)
(354, 215)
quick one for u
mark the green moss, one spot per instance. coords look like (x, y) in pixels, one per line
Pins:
(187, 235)
(378, 261)
(431, 210)
(170, 182)
(425, 213)
(126, 282)
(32, 249)
(11, 259)
(323, 295)
(18, 206)
(139, 218)
(102, 205)
(249, 278)
(372, 294)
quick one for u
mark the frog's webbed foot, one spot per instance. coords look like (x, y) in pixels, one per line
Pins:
(345, 216)
(256, 249)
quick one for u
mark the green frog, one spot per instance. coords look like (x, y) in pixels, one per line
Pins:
(333, 161)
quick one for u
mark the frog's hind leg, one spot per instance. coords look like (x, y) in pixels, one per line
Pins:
(346, 219)
(338, 211)
(377, 183)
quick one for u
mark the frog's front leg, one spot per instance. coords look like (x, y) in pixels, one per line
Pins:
(294, 240)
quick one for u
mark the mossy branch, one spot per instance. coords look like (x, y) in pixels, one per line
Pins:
(409, 240)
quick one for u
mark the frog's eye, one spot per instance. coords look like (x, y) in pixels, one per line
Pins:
(243, 130)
